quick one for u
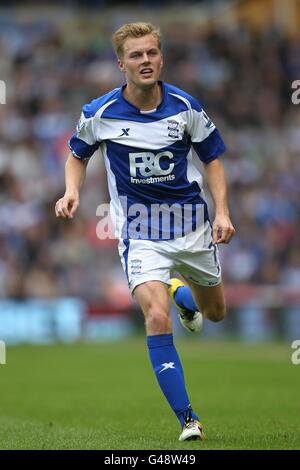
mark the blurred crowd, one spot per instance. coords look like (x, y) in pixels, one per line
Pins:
(243, 80)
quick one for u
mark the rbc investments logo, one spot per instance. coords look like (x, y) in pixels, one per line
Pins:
(148, 164)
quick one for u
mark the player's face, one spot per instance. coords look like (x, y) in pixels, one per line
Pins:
(141, 61)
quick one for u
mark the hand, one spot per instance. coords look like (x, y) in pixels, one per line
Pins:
(223, 229)
(67, 206)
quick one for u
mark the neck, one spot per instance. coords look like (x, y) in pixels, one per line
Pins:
(143, 98)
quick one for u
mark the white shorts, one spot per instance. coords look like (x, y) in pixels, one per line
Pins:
(194, 256)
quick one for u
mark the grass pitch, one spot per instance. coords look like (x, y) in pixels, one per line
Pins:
(105, 396)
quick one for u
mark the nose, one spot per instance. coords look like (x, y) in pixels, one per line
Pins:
(145, 57)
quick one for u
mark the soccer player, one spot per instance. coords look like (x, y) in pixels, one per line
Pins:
(146, 131)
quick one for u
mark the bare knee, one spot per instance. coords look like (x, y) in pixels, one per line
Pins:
(215, 313)
(157, 321)
(154, 301)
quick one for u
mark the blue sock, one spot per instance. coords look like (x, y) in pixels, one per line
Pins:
(169, 373)
(184, 298)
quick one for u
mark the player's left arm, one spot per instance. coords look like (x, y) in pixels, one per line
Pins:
(223, 229)
(208, 144)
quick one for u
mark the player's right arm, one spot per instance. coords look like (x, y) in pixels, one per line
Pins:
(83, 145)
(75, 171)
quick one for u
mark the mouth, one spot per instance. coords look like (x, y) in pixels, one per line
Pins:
(146, 71)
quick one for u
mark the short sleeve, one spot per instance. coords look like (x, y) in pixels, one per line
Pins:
(205, 137)
(83, 143)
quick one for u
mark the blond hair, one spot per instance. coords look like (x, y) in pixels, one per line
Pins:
(133, 30)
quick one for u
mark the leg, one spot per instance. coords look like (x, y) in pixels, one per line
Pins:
(200, 267)
(154, 301)
(210, 300)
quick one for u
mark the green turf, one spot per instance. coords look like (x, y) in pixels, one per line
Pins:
(105, 396)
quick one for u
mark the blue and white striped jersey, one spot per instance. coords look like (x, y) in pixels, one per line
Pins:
(149, 160)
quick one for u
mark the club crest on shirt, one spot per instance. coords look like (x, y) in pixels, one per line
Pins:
(174, 129)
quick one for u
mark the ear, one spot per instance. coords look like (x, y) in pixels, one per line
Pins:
(121, 66)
